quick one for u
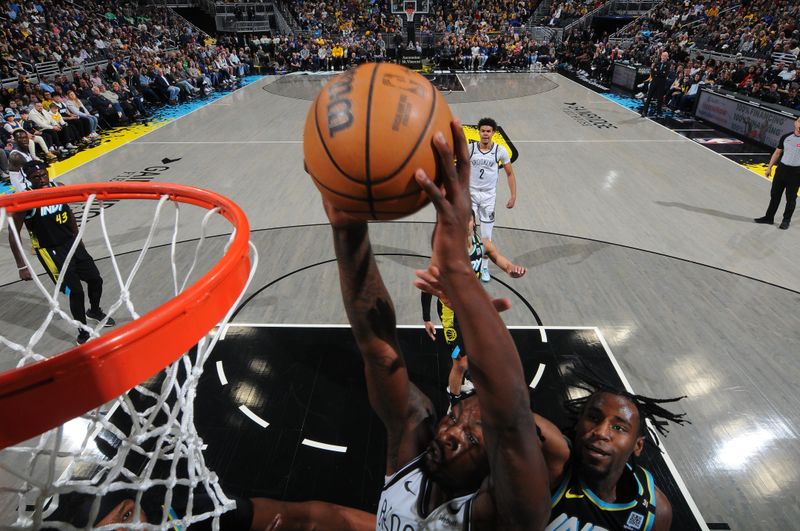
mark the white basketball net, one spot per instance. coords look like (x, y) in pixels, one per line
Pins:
(157, 434)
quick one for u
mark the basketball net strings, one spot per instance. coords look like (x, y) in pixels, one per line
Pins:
(162, 428)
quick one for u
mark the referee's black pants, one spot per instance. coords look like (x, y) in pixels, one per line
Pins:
(655, 91)
(787, 179)
(80, 268)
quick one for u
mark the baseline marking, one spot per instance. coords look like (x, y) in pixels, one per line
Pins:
(252, 416)
(325, 446)
(537, 376)
(221, 373)
(673, 470)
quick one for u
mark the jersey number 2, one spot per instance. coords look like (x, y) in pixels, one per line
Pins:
(481, 175)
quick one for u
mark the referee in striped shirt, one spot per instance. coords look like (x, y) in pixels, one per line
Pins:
(787, 177)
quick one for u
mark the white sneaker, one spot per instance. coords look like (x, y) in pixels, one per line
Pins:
(71, 146)
(485, 276)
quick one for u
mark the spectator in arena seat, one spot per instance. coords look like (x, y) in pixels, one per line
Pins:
(52, 131)
(140, 81)
(168, 91)
(13, 124)
(124, 99)
(77, 108)
(69, 131)
(771, 95)
(101, 105)
(80, 127)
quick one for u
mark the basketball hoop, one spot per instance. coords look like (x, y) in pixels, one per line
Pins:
(410, 11)
(43, 393)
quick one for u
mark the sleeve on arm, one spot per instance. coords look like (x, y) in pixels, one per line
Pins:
(781, 141)
(426, 299)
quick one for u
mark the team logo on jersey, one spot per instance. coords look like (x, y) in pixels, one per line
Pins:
(635, 521)
(571, 494)
(500, 137)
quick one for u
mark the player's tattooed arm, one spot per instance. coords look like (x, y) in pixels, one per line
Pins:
(372, 318)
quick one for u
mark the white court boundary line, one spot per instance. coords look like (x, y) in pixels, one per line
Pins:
(324, 446)
(709, 150)
(667, 459)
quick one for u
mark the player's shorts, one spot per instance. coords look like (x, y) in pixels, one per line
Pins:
(452, 334)
(483, 204)
(81, 267)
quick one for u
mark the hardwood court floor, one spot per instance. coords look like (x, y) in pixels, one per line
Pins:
(631, 228)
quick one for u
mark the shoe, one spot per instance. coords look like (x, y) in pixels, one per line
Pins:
(485, 276)
(93, 135)
(765, 221)
(50, 155)
(784, 225)
(98, 315)
(71, 146)
(83, 337)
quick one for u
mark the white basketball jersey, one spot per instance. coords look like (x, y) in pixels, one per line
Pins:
(486, 166)
(19, 183)
(403, 500)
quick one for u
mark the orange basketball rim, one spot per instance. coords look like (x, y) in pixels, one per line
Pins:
(40, 396)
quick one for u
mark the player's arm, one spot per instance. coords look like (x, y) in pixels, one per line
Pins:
(776, 156)
(426, 299)
(18, 219)
(512, 183)
(555, 449)
(517, 494)
(663, 512)
(308, 516)
(406, 413)
(513, 270)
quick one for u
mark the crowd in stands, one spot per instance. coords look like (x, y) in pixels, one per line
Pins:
(344, 17)
(761, 37)
(150, 58)
(564, 13)
(462, 17)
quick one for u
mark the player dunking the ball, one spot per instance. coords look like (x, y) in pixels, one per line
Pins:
(480, 466)
(486, 158)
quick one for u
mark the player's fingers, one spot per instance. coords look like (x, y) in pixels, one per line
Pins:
(460, 149)
(434, 192)
(444, 159)
(502, 304)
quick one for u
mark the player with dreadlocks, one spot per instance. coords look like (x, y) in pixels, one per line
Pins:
(596, 480)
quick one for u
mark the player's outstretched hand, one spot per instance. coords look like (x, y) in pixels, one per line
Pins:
(428, 280)
(25, 274)
(430, 330)
(339, 219)
(517, 271)
(451, 200)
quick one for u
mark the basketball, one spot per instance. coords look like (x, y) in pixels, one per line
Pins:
(367, 132)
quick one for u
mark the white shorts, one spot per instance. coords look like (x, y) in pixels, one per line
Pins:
(483, 205)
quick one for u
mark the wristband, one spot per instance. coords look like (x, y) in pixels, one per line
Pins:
(21, 268)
